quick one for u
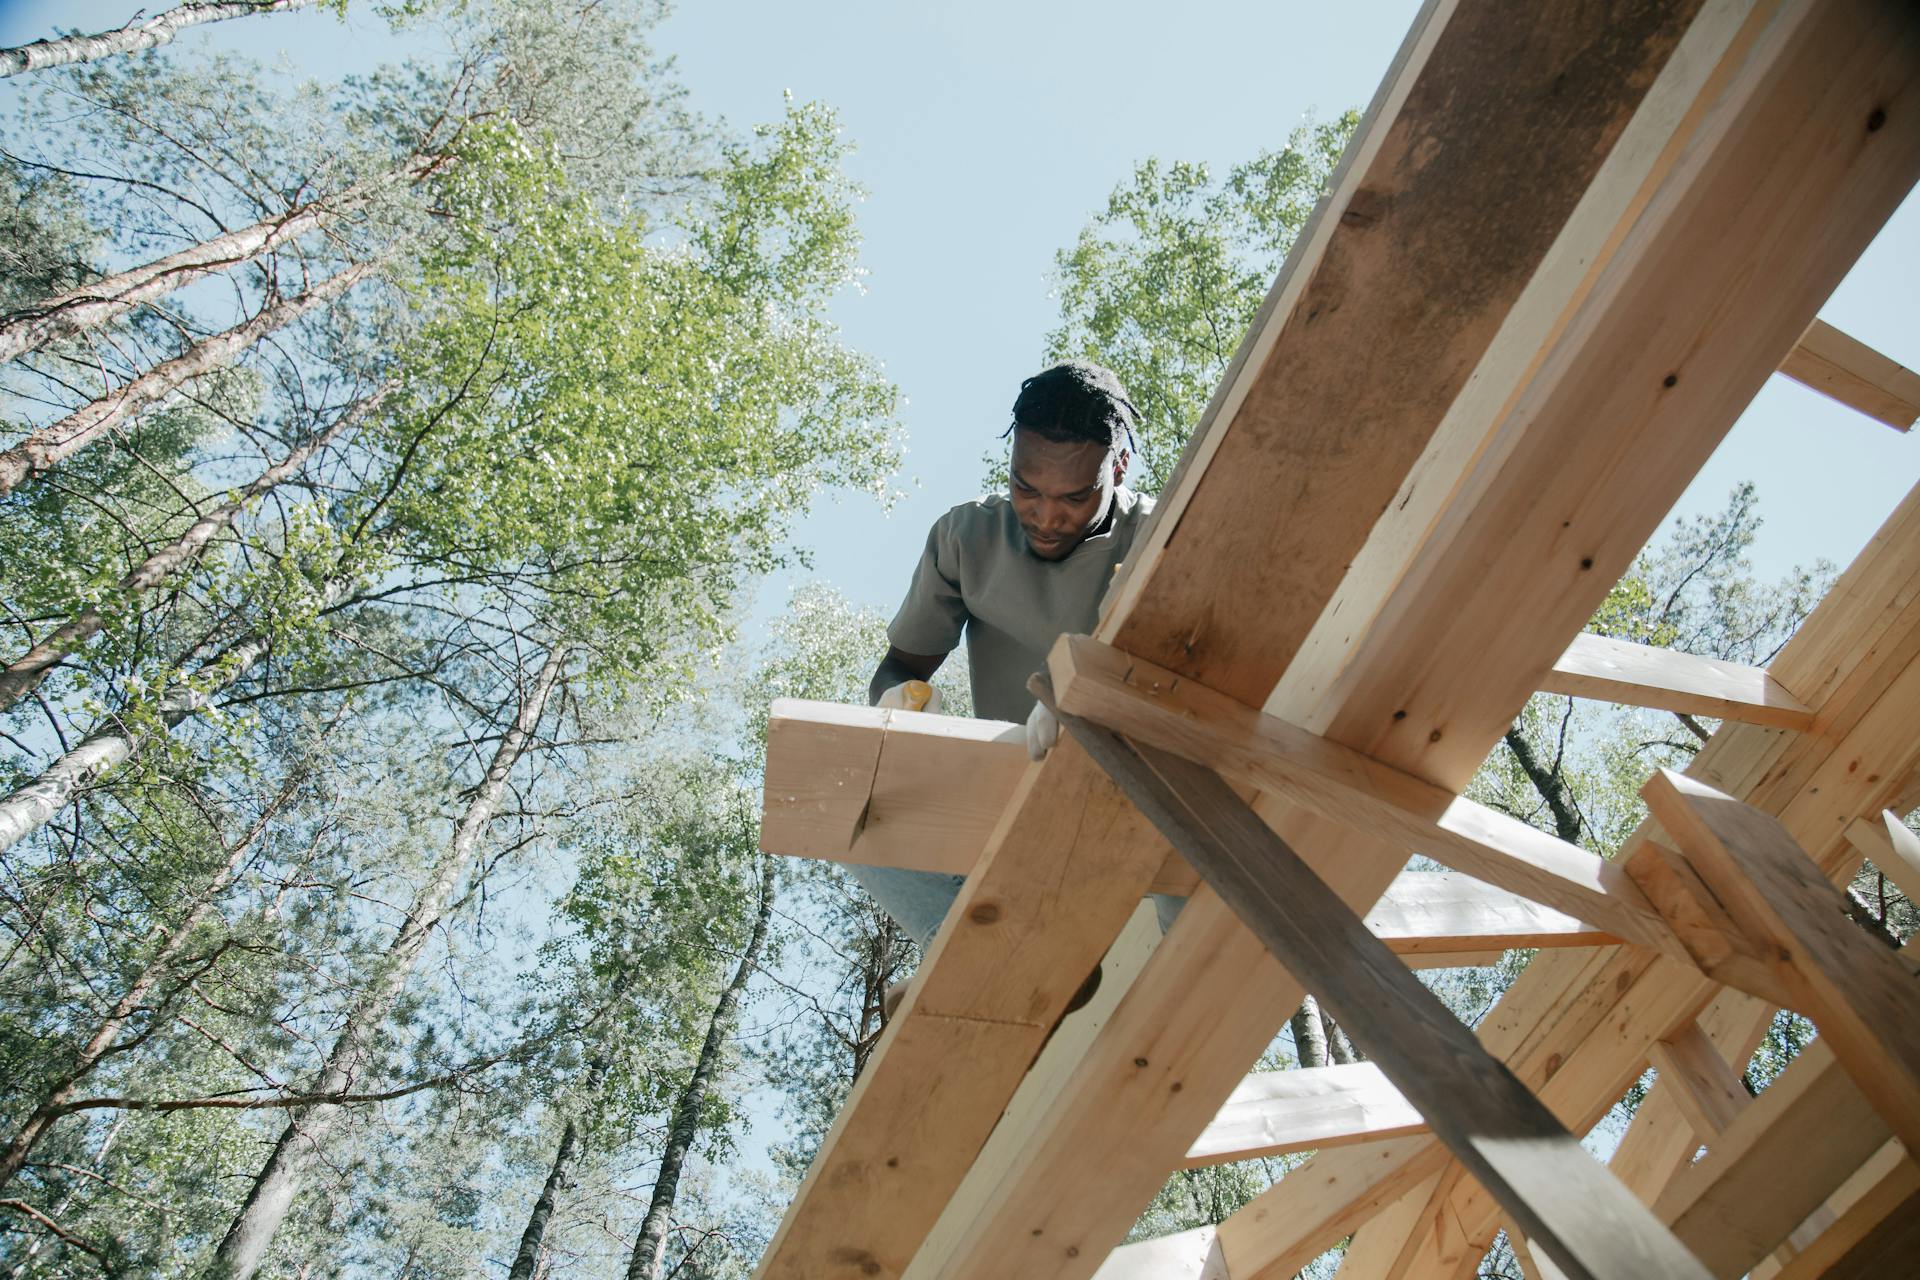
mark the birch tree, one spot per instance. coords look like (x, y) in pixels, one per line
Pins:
(142, 33)
(683, 1125)
(274, 1186)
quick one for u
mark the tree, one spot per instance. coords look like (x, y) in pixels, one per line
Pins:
(144, 33)
(1162, 284)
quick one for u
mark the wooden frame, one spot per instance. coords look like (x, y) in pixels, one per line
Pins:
(1423, 387)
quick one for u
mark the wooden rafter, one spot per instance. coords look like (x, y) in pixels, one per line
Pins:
(1500, 514)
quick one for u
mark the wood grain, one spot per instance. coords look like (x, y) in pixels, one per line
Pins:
(1565, 1201)
(1856, 375)
(1638, 675)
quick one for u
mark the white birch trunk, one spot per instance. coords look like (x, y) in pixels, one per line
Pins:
(111, 743)
(50, 1108)
(25, 673)
(147, 33)
(684, 1125)
(54, 443)
(275, 1186)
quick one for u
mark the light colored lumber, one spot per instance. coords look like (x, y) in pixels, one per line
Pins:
(1854, 660)
(1708, 1090)
(1276, 1112)
(1894, 849)
(1314, 1206)
(1887, 1185)
(1856, 375)
(1568, 1203)
(1775, 1164)
(1388, 305)
(1155, 706)
(895, 788)
(1612, 486)
(1822, 241)
(1424, 912)
(1863, 1180)
(998, 975)
(1374, 1247)
(1190, 1255)
(1052, 1070)
(1864, 1000)
(1715, 941)
(1533, 1265)
(1639, 675)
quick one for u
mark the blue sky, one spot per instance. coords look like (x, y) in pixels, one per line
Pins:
(988, 133)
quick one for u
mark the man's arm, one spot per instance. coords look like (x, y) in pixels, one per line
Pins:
(898, 667)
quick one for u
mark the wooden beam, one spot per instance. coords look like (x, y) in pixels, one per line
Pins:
(1890, 1192)
(1894, 849)
(895, 788)
(1584, 1219)
(1276, 1112)
(1012, 951)
(1856, 375)
(1709, 1091)
(1639, 675)
(1775, 1164)
(1862, 997)
(1489, 583)
(1153, 705)
(1437, 912)
(1373, 1249)
(1189, 1255)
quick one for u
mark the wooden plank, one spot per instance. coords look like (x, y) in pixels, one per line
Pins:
(1013, 949)
(1276, 1112)
(1374, 1247)
(1863, 998)
(821, 759)
(1639, 675)
(1894, 848)
(1718, 947)
(1050, 1073)
(1854, 661)
(1425, 912)
(1153, 705)
(1708, 1090)
(1390, 299)
(1856, 375)
(1720, 193)
(1736, 1204)
(1189, 1255)
(1890, 1188)
(1323, 1201)
(1584, 1219)
(895, 788)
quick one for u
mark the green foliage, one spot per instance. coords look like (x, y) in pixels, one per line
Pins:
(624, 428)
(1164, 282)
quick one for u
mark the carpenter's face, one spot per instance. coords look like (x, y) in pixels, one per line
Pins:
(1061, 491)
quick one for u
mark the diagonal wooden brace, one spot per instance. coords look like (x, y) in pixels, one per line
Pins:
(1570, 1206)
(1862, 996)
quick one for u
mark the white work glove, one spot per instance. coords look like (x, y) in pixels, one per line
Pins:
(1043, 730)
(911, 695)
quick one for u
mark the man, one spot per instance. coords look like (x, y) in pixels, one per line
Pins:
(1012, 574)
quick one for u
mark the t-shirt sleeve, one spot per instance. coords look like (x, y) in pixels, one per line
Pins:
(931, 617)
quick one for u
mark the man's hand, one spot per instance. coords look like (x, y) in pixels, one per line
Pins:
(911, 695)
(1043, 730)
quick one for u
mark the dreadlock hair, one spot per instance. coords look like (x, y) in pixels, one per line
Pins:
(1075, 400)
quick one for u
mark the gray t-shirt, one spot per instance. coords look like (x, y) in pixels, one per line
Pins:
(977, 573)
